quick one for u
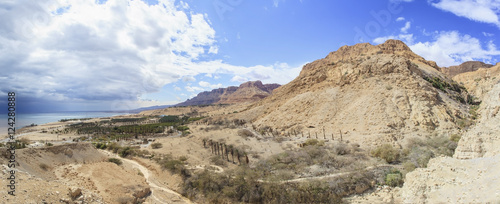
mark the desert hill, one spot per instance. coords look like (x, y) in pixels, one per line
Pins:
(372, 94)
(469, 66)
(246, 92)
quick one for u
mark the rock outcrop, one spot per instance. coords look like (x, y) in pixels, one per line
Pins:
(472, 175)
(246, 92)
(483, 140)
(481, 81)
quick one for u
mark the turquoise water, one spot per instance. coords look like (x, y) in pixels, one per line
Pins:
(25, 119)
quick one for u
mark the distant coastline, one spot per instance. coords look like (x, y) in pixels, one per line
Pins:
(26, 119)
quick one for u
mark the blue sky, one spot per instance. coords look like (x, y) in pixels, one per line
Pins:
(121, 54)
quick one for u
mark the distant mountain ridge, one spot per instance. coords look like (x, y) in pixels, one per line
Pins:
(469, 66)
(247, 92)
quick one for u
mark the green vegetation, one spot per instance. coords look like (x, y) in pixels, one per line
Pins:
(174, 165)
(170, 119)
(394, 178)
(418, 152)
(386, 152)
(74, 119)
(242, 185)
(116, 161)
(443, 85)
(313, 142)
(127, 120)
(156, 145)
(44, 167)
(19, 144)
(100, 145)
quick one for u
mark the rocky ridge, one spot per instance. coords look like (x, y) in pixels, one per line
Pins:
(246, 92)
(465, 67)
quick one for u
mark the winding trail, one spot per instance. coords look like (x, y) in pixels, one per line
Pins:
(154, 186)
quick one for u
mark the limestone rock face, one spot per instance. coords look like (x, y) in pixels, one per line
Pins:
(375, 94)
(246, 92)
(472, 175)
(483, 140)
(449, 180)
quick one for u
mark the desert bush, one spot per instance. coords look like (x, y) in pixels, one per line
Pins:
(409, 166)
(125, 151)
(217, 160)
(386, 152)
(455, 138)
(245, 133)
(44, 167)
(156, 145)
(312, 142)
(341, 148)
(116, 161)
(101, 146)
(183, 158)
(394, 178)
(48, 144)
(114, 147)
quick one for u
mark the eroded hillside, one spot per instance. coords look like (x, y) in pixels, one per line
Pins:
(371, 94)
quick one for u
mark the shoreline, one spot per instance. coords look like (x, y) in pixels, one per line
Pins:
(35, 131)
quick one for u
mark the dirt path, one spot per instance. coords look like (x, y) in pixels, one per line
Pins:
(155, 188)
(152, 184)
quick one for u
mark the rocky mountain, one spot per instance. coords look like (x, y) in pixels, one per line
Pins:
(469, 66)
(369, 94)
(246, 92)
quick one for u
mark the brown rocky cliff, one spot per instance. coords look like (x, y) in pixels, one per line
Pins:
(246, 92)
(469, 66)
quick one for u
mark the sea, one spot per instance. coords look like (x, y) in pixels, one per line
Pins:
(26, 119)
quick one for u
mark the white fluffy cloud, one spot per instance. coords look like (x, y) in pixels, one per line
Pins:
(406, 27)
(449, 48)
(77, 51)
(208, 85)
(453, 48)
(486, 11)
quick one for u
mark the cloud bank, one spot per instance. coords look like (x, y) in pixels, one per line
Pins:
(77, 51)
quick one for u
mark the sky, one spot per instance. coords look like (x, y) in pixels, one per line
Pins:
(83, 55)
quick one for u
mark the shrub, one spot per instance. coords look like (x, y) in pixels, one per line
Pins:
(409, 166)
(156, 145)
(125, 151)
(245, 133)
(455, 138)
(115, 160)
(341, 149)
(394, 178)
(101, 146)
(49, 144)
(313, 142)
(386, 152)
(218, 161)
(44, 167)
